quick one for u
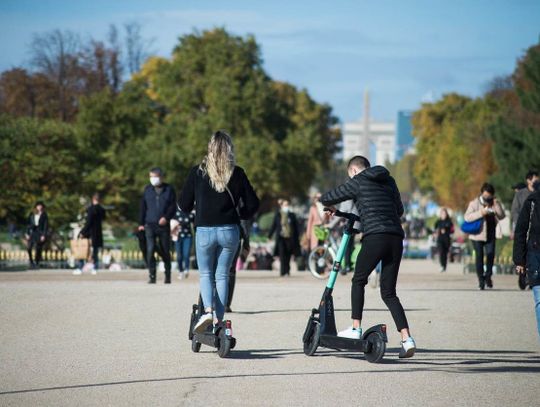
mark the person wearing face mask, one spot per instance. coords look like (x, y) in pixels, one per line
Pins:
(158, 206)
(378, 202)
(285, 227)
(489, 209)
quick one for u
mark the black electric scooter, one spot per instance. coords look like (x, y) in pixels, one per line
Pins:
(219, 336)
(321, 326)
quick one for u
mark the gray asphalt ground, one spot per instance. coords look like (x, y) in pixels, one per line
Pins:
(111, 339)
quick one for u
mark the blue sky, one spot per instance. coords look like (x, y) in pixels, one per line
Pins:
(404, 52)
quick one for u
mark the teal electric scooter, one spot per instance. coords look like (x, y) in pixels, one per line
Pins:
(321, 326)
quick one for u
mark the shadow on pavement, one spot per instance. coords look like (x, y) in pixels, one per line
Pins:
(272, 311)
(439, 361)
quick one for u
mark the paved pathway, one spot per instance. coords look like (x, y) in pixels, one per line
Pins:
(113, 340)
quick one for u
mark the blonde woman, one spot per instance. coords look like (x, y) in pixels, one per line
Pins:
(222, 193)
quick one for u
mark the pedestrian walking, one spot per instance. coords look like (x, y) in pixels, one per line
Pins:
(444, 228)
(488, 209)
(182, 236)
(379, 205)
(158, 205)
(223, 195)
(93, 230)
(285, 227)
(526, 254)
(521, 196)
(315, 218)
(36, 234)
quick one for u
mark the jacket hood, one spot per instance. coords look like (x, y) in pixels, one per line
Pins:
(377, 173)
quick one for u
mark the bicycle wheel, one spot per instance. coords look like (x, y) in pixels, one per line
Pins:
(320, 262)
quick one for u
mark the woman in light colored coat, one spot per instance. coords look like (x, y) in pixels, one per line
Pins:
(489, 209)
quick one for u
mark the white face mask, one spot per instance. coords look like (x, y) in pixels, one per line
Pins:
(155, 181)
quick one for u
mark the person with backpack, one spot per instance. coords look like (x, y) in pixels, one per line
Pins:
(526, 253)
(223, 195)
(489, 211)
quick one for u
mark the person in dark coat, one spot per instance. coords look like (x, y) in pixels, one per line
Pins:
(443, 230)
(526, 253)
(36, 235)
(93, 229)
(377, 199)
(285, 227)
(158, 206)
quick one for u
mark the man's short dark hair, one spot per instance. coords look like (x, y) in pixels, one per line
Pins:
(531, 174)
(39, 203)
(359, 161)
(158, 171)
(488, 188)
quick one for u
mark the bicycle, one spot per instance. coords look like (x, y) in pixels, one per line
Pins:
(321, 258)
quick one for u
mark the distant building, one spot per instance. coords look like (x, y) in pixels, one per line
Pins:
(405, 140)
(374, 140)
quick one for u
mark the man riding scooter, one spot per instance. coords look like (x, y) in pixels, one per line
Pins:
(379, 205)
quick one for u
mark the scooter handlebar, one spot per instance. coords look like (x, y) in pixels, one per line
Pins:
(349, 216)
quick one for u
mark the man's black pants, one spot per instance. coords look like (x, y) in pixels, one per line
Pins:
(35, 241)
(163, 236)
(481, 248)
(443, 244)
(388, 249)
(285, 249)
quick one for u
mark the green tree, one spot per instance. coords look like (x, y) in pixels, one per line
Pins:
(39, 161)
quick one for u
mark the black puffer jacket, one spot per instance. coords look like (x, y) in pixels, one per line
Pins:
(376, 197)
(521, 244)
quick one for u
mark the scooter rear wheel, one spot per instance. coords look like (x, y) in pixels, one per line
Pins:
(195, 346)
(224, 345)
(311, 345)
(378, 348)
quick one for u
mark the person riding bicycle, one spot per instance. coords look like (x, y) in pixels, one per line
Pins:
(379, 205)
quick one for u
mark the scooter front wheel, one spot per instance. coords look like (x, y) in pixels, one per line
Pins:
(378, 348)
(312, 343)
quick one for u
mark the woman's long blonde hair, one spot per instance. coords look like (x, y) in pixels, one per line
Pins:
(219, 162)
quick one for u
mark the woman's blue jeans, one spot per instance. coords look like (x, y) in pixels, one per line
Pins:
(215, 247)
(183, 248)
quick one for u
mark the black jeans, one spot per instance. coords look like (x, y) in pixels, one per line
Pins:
(487, 249)
(285, 249)
(35, 241)
(443, 245)
(163, 235)
(388, 249)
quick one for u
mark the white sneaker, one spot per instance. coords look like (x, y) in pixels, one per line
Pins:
(408, 347)
(94, 272)
(77, 272)
(351, 333)
(180, 276)
(204, 322)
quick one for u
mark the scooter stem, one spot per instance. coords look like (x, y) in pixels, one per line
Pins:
(337, 263)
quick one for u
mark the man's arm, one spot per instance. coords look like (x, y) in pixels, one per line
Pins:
(397, 199)
(142, 215)
(520, 235)
(342, 193)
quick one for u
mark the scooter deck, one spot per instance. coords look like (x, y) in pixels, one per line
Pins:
(337, 342)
